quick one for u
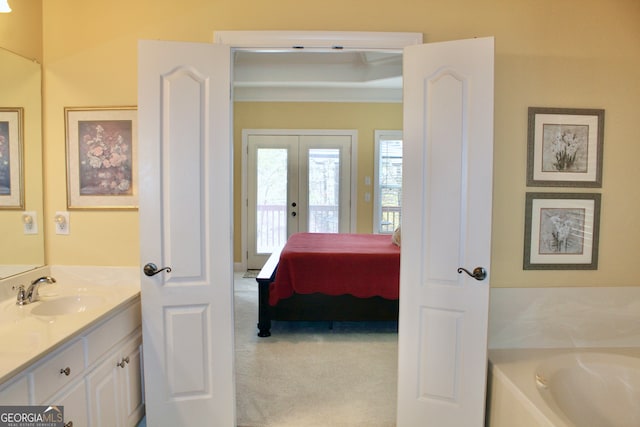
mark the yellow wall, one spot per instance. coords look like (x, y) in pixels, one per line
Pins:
(21, 30)
(548, 53)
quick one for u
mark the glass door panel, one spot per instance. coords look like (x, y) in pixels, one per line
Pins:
(272, 179)
(323, 190)
(271, 200)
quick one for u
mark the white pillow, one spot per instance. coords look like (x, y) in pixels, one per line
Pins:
(395, 237)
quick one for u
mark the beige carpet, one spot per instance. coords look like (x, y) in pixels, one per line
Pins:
(308, 375)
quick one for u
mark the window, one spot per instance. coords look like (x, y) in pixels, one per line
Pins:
(387, 181)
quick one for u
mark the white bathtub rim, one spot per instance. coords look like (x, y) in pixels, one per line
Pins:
(607, 365)
(544, 417)
(516, 369)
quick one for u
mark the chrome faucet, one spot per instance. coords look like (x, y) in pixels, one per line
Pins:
(31, 293)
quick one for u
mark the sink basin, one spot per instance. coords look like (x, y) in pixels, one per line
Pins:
(67, 305)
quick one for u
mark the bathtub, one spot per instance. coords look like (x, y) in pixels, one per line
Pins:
(596, 387)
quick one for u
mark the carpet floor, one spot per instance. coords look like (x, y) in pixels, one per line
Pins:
(313, 374)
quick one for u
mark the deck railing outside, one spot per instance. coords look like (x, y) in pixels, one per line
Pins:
(272, 223)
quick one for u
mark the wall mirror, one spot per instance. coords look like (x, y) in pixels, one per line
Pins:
(22, 246)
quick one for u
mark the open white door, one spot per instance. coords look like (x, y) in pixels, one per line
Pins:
(186, 224)
(448, 169)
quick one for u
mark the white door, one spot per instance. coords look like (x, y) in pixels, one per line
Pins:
(186, 224)
(448, 156)
(296, 183)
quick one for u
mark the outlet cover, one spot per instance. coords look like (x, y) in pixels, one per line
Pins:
(30, 222)
(61, 221)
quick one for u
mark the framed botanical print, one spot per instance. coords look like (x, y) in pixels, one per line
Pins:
(101, 158)
(561, 231)
(11, 158)
(564, 147)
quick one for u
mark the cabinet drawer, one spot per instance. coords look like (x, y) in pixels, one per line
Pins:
(105, 336)
(51, 375)
(15, 392)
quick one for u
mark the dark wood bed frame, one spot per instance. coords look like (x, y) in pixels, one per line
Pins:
(316, 307)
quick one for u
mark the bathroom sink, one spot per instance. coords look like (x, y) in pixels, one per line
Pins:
(67, 305)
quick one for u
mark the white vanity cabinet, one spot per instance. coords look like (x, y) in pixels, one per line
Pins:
(96, 376)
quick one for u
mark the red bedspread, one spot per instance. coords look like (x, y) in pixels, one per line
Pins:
(362, 265)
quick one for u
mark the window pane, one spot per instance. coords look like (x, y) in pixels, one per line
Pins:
(390, 184)
(324, 190)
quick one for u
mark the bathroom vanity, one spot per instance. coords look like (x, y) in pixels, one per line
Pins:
(79, 347)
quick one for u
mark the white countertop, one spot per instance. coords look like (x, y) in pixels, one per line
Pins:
(26, 337)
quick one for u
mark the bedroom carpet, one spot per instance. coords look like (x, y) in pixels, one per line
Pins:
(250, 274)
(308, 374)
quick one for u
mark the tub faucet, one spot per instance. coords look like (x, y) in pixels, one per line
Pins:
(31, 293)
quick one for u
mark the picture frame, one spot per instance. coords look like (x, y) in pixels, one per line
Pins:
(11, 158)
(561, 231)
(565, 147)
(101, 145)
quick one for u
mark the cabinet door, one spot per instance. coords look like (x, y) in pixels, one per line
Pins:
(74, 402)
(103, 389)
(115, 387)
(16, 392)
(130, 379)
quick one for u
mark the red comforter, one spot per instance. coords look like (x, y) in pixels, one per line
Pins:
(362, 265)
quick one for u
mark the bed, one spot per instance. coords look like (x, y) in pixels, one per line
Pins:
(330, 277)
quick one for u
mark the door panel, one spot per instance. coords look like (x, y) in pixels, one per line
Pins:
(326, 166)
(271, 198)
(272, 184)
(295, 183)
(186, 224)
(447, 186)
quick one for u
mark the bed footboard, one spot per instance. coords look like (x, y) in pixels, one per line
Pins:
(264, 278)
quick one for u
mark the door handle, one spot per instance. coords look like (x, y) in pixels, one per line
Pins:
(293, 213)
(479, 273)
(151, 269)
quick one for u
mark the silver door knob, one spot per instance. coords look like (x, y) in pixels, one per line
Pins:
(479, 273)
(151, 269)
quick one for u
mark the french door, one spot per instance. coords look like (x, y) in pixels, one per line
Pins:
(296, 182)
(187, 313)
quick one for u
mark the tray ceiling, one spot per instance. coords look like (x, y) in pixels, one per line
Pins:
(318, 76)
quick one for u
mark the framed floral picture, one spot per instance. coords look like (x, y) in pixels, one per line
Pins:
(564, 147)
(101, 158)
(11, 159)
(561, 231)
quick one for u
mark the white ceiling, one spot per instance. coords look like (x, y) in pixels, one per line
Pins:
(319, 76)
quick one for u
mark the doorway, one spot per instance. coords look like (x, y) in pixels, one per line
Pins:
(338, 361)
(194, 298)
